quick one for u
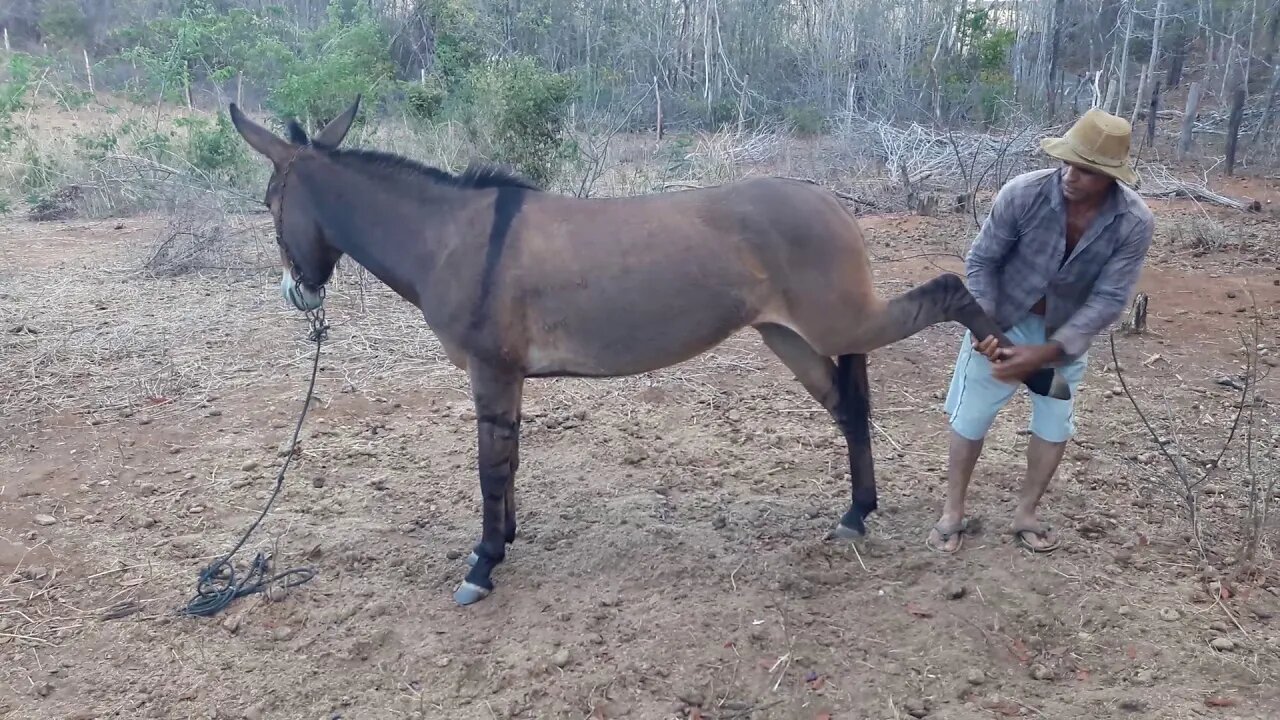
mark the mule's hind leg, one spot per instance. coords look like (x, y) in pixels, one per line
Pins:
(497, 401)
(844, 391)
(509, 498)
(853, 414)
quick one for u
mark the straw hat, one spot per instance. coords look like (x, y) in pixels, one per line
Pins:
(1098, 141)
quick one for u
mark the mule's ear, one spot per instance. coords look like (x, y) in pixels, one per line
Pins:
(336, 131)
(258, 137)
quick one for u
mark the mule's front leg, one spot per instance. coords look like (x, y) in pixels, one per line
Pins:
(497, 401)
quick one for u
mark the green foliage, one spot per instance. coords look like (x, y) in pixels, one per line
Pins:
(805, 120)
(96, 147)
(425, 100)
(40, 172)
(675, 154)
(982, 76)
(63, 23)
(347, 56)
(214, 147)
(20, 72)
(457, 38)
(517, 108)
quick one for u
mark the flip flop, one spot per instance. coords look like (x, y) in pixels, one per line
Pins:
(1039, 532)
(945, 535)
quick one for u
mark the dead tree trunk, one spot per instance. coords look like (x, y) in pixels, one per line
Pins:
(1265, 123)
(1151, 115)
(1148, 75)
(1179, 58)
(657, 98)
(1233, 126)
(1185, 137)
(1124, 65)
(1053, 59)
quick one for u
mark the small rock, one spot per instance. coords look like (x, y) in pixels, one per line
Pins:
(254, 713)
(1133, 705)
(282, 633)
(719, 523)
(975, 677)
(241, 483)
(43, 689)
(249, 465)
(231, 624)
(1169, 614)
(277, 593)
(442, 662)
(916, 707)
(195, 509)
(561, 658)
(147, 489)
(45, 520)
(953, 591)
(1222, 644)
(1040, 672)
(453, 554)
(317, 481)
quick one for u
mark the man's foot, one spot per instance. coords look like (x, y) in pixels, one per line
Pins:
(1036, 536)
(947, 536)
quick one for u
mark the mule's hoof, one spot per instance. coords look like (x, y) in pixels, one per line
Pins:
(472, 559)
(844, 533)
(1059, 389)
(468, 593)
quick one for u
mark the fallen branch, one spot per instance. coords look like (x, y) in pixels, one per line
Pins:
(837, 193)
(842, 195)
(1199, 193)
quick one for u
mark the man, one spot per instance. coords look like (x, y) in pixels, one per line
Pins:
(1055, 264)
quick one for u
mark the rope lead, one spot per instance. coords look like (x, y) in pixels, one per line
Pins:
(217, 586)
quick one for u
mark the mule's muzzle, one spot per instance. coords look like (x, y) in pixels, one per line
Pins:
(299, 294)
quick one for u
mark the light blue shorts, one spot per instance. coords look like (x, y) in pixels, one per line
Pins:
(975, 397)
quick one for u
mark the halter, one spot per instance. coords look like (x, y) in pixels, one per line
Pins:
(319, 329)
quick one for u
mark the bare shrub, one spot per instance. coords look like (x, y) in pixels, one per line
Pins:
(1225, 487)
(199, 235)
(1201, 234)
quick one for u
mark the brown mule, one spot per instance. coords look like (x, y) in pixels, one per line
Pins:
(517, 283)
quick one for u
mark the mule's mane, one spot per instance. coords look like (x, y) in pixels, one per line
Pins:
(476, 176)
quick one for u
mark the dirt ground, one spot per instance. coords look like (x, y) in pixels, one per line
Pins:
(671, 561)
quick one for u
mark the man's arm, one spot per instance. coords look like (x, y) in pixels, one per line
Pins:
(1110, 293)
(989, 249)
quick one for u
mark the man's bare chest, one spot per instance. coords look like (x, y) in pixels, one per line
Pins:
(1077, 225)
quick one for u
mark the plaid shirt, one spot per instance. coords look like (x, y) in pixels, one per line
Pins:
(1017, 259)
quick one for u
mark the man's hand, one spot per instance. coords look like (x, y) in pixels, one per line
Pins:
(1015, 364)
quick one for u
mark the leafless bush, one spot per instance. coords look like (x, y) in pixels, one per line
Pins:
(945, 158)
(1202, 234)
(1238, 474)
(200, 235)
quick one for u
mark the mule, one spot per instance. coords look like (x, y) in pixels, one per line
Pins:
(520, 283)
